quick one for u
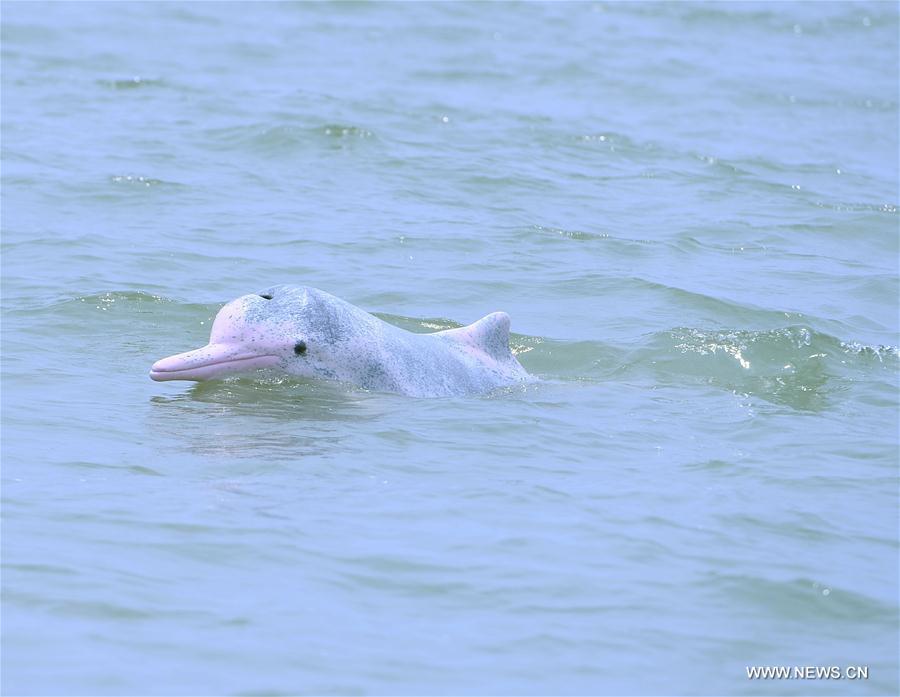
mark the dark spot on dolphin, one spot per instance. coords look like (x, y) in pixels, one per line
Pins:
(267, 296)
(300, 348)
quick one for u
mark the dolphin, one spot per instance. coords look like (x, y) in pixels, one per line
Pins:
(307, 332)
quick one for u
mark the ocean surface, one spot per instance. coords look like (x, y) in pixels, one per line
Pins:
(689, 211)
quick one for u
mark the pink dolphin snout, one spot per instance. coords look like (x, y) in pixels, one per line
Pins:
(212, 361)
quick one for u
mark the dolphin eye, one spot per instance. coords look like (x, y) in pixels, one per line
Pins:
(267, 296)
(300, 348)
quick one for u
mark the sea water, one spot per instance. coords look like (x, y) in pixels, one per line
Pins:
(689, 212)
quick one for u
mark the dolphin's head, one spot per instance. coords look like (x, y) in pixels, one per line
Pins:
(292, 329)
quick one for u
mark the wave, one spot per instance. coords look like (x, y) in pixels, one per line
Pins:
(795, 366)
(265, 138)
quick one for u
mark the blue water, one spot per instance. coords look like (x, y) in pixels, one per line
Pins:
(689, 211)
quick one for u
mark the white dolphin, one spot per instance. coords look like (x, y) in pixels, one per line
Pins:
(306, 332)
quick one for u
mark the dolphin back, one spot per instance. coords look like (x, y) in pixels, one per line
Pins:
(490, 335)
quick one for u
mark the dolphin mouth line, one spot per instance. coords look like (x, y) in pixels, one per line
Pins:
(210, 369)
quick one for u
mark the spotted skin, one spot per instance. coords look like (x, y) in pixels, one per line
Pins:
(347, 344)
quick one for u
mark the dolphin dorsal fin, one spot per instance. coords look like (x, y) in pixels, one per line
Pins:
(490, 334)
